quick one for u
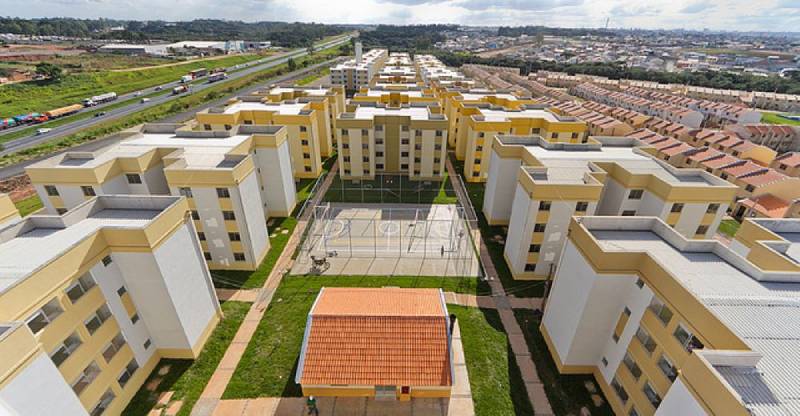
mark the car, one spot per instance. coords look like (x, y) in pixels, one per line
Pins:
(159, 88)
(138, 93)
(100, 114)
(42, 131)
(144, 100)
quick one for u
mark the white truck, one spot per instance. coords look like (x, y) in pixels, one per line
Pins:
(186, 79)
(99, 99)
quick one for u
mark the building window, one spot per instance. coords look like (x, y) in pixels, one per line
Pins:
(104, 403)
(621, 393)
(347, 171)
(187, 192)
(539, 228)
(530, 267)
(631, 365)
(44, 316)
(724, 176)
(417, 133)
(476, 174)
(661, 310)
(544, 205)
(195, 215)
(536, 131)
(365, 159)
(304, 142)
(121, 291)
(439, 147)
(147, 343)
(604, 360)
(303, 129)
(633, 412)
(234, 236)
(534, 248)
(106, 261)
(639, 283)
(667, 367)
(346, 158)
(686, 338)
(113, 347)
(80, 287)
(133, 178)
(417, 160)
(88, 191)
(65, 349)
(51, 190)
(554, 135)
(574, 135)
(86, 378)
(404, 141)
(712, 208)
(127, 373)
(223, 193)
(201, 236)
(228, 216)
(61, 211)
(648, 343)
(345, 146)
(403, 154)
(364, 132)
(307, 168)
(581, 206)
(703, 229)
(306, 155)
(207, 255)
(628, 213)
(345, 132)
(404, 166)
(378, 141)
(749, 188)
(135, 318)
(379, 127)
(378, 154)
(379, 166)
(636, 194)
(438, 133)
(676, 207)
(97, 319)
(651, 395)
(238, 256)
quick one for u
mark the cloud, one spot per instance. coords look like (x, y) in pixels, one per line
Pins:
(697, 7)
(512, 5)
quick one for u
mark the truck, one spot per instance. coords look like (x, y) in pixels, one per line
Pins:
(180, 90)
(218, 76)
(99, 99)
(63, 111)
(186, 79)
(197, 73)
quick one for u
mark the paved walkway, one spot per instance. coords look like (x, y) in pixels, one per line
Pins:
(212, 394)
(459, 404)
(534, 386)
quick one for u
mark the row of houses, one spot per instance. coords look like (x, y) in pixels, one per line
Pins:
(716, 113)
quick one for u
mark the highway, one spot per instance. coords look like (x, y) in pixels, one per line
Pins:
(26, 142)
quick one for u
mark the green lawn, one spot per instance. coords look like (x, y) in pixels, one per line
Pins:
(520, 288)
(28, 205)
(774, 118)
(567, 393)
(269, 363)
(729, 227)
(308, 79)
(43, 96)
(495, 380)
(303, 186)
(234, 279)
(188, 378)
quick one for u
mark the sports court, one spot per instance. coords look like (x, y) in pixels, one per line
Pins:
(388, 239)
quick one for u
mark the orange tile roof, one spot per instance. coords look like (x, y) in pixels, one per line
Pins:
(763, 178)
(790, 159)
(768, 205)
(377, 336)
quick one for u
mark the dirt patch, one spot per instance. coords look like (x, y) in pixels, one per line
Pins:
(17, 187)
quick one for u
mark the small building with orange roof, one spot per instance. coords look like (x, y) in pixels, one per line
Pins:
(386, 343)
(787, 163)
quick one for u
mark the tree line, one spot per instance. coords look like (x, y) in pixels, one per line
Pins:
(279, 33)
(404, 38)
(613, 70)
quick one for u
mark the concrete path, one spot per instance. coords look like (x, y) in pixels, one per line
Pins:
(213, 391)
(239, 295)
(534, 386)
(459, 404)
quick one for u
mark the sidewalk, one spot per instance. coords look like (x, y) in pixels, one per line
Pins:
(216, 386)
(504, 303)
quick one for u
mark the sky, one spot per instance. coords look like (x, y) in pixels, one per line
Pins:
(742, 15)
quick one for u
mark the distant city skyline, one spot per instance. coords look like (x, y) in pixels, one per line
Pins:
(739, 15)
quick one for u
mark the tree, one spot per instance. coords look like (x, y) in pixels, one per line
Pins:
(291, 64)
(51, 71)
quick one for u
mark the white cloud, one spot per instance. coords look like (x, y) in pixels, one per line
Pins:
(774, 15)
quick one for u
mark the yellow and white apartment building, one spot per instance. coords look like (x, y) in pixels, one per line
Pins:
(357, 73)
(328, 103)
(93, 299)
(233, 181)
(609, 176)
(304, 122)
(481, 122)
(409, 139)
(674, 326)
(8, 212)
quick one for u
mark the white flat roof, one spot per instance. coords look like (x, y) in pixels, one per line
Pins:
(281, 108)
(502, 115)
(367, 113)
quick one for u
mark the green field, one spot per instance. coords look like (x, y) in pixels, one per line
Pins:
(28, 205)
(729, 227)
(43, 96)
(774, 118)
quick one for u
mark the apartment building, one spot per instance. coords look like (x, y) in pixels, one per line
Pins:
(610, 176)
(780, 138)
(482, 122)
(432, 71)
(357, 73)
(673, 326)
(395, 97)
(459, 104)
(93, 299)
(8, 212)
(303, 123)
(410, 139)
(327, 103)
(233, 180)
